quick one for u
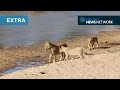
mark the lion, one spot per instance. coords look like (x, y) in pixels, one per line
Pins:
(91, 42)
(54, 50)
(79, 51)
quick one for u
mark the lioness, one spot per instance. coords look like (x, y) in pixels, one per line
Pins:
(76, 51)
(54, 50)
(91, 42)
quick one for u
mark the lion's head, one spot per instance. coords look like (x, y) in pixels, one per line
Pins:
(47, 45)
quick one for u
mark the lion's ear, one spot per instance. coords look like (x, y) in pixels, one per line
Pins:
(47, 42)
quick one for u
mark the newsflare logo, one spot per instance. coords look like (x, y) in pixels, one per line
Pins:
(98, 20)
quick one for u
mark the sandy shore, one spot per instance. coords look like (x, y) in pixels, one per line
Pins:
(104, 64)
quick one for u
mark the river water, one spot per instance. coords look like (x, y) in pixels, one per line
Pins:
(50, 25)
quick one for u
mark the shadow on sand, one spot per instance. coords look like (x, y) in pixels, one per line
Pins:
(113, 44)
(103, 47)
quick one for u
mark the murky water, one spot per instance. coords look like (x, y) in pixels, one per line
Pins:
(50, 25)
(21, 66)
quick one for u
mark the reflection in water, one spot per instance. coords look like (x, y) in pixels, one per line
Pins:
(49, 26)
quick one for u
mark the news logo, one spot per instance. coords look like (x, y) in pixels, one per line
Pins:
(98, 20)
(13, 20)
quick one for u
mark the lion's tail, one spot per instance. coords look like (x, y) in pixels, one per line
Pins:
(86, 52)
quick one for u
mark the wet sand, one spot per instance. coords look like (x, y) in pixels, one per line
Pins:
(109, 51)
